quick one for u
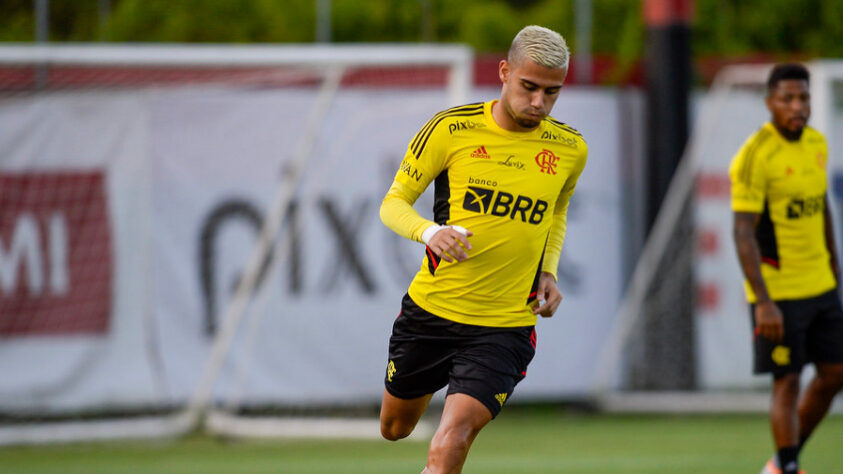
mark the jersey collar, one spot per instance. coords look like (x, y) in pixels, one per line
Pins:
(772, 128)
(490, 120)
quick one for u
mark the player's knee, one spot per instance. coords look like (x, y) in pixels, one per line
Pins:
(455, 439)
(831, 380)
(788, 383)
(394, 430)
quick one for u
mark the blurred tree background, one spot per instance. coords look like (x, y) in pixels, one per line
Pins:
(721, 28)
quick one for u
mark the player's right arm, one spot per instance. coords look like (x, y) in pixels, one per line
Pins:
(398, 214)
(426, 158)
(768, 318)
(748, 176)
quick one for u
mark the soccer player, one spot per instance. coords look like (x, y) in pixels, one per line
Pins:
(785, 244)
(504, 172)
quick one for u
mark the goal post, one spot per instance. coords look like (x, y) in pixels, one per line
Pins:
(457, 58)
(215, 157)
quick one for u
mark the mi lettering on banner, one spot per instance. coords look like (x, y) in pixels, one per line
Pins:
(55, 254)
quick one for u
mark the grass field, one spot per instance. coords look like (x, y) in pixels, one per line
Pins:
(522, 440)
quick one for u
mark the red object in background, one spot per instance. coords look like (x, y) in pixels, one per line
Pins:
(708, 241)
(55, 254)
(708, 296)
(662, 13)
(607, 70)
(714, 186)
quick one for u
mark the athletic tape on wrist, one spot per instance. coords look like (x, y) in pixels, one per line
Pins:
(433, 229)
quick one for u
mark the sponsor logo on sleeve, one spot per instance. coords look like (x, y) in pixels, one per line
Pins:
(410, 171)
(560, 138)
(459, 125)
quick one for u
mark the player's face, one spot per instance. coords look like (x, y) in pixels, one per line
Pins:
(790, 106)
(529, 92)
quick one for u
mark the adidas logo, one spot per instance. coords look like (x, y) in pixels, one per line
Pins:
(501, 398)
(480, 153)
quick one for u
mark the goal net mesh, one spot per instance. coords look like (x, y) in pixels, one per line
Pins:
(688, 269)
(180, 232)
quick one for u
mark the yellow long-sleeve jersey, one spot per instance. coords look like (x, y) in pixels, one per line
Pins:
(510, 189)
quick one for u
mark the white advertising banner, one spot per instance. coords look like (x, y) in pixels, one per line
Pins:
(182, 180)
(73, 251)
(723, 325)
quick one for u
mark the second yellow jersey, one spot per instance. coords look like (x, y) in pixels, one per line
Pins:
(785, 182)
(507, 188)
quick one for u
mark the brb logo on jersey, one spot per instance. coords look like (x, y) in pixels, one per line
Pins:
(547, 161)
(504, 204)
(798, 208)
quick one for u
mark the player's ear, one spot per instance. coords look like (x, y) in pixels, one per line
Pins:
(503, 70)
(768, 97)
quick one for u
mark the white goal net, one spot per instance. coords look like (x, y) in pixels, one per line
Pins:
(188, 238)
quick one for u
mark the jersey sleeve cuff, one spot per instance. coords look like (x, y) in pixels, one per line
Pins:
(747, 206)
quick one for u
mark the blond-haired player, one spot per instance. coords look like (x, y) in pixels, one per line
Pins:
(504, 172)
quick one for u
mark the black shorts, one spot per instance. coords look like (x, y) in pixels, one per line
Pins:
(813, 332)
(427, 352)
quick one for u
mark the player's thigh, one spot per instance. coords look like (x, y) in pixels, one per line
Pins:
(403, 411)
(489, 369)
(420, 353)
(789, 355)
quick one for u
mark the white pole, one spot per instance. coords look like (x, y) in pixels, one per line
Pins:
(323, 21)
(582, 58)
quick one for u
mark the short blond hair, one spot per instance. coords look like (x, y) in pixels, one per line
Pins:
(542, 45)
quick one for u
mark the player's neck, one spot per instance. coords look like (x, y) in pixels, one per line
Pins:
(504, 120)
(501, 118)
(789, 135)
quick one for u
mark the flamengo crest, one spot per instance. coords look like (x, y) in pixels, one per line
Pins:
(547, 161)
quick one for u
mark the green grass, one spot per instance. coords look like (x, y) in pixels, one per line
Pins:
(521, 440)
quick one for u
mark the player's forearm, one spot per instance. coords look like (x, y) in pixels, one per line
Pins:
(556, 237)
(749, 256)
(398, 214)
(555, 240)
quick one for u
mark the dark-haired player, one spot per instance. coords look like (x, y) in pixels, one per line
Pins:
(504, 172)
(785, 244)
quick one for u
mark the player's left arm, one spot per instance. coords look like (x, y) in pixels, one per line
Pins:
(830, 243)
(548, 294)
